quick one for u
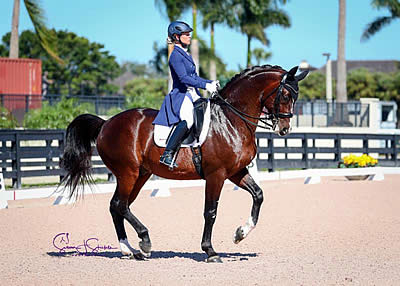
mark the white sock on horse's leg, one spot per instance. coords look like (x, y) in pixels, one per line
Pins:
(248, 227)
(126, 248)
(243, 231)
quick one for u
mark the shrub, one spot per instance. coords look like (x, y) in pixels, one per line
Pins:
(7, 121)
(55, 116)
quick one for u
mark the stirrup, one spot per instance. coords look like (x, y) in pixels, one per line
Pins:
(168, 161)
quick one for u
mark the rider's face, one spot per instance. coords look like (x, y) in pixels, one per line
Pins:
(186, 38)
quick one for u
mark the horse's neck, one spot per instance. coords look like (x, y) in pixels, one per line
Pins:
(229, 125)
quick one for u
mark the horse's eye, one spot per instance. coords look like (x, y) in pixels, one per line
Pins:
(285, 98)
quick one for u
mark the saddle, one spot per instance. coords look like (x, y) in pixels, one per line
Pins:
(196, 134)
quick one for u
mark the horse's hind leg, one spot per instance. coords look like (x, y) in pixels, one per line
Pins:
(118, 204)
(244, 180)
(141, 230)
(126, 192)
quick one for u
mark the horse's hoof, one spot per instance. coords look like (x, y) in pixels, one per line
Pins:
(238, 236)
(214, 259)
(137, 256)
(145, 248)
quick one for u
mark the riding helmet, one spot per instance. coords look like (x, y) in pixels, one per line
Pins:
(178, 27)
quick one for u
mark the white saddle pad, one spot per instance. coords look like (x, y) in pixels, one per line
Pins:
(161, 132)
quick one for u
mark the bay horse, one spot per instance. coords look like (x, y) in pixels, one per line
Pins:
(125, 144)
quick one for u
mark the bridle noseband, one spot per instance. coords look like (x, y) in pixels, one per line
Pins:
(276, 114)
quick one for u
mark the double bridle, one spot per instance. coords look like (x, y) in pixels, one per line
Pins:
(275, 115)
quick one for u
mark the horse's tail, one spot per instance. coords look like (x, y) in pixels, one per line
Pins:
(76, 160)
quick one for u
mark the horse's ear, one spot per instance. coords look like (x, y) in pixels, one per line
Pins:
(301, 76)
(293, 71)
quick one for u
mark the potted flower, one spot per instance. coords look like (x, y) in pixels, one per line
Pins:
(353, 161)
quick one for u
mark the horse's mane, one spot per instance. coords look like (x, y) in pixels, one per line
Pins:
(247, 72)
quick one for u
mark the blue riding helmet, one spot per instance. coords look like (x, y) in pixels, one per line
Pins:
(178, 27)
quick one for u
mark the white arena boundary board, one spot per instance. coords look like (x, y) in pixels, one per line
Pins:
(33, 193)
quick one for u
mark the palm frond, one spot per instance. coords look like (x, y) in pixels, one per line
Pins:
(46, 38)
(375, 26)
(173, 8)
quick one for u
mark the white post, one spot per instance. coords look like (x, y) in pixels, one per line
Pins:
(329, 81)
(3, 199)
(328, 73)
(374, 112)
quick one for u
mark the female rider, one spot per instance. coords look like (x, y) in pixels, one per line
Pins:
(177, 107)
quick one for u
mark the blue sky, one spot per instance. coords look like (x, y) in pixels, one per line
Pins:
(128, 29)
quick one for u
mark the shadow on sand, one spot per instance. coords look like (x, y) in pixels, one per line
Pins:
(158, 254)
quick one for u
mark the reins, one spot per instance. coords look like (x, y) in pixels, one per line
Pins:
(217, 97)
(273, 117)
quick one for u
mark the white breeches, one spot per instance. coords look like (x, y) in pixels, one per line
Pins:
(186, 112)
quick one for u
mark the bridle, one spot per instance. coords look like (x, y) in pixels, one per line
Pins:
(276, 114)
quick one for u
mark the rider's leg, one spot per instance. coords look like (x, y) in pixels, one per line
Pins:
(186, 112)
(179, 134)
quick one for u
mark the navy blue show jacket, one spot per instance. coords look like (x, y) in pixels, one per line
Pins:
(183, 72)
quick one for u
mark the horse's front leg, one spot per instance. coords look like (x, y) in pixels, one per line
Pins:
(244, 180)
(213, 190)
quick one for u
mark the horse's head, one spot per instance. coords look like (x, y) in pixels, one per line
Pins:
(279, 102)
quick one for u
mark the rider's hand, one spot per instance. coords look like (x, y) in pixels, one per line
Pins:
(212, 87)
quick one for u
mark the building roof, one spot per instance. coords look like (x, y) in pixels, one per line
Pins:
(385, 66)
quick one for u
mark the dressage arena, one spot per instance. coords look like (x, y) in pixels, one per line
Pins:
(337, 232)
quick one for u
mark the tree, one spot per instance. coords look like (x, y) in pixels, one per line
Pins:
(159, 62)
(174, 10)
(254, 16)
(313, 87)
(215, 12)
(375, 26)
(361, 83)
(44, 36)
(261, 55)
(88, 68)
(145, 92)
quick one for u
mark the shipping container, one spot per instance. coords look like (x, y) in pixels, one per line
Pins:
(20, 84)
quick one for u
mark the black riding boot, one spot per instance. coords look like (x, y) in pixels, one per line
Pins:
(174, 142)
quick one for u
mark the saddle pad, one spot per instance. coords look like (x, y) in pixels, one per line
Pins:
(161, 132)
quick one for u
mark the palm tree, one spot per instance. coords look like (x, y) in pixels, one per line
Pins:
(36, 14)
(215, 12)
(255, 16)
(261, 55)
(341, 89)
(175, 9)
(375, 26)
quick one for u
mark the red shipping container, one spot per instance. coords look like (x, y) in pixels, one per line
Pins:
(20, 77)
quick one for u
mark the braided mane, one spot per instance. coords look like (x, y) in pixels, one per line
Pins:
(249, 72)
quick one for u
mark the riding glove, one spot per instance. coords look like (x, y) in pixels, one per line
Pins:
(212, 87)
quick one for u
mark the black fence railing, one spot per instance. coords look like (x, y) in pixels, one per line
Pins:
(320, 113)
(323, 150)
(36, 153)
